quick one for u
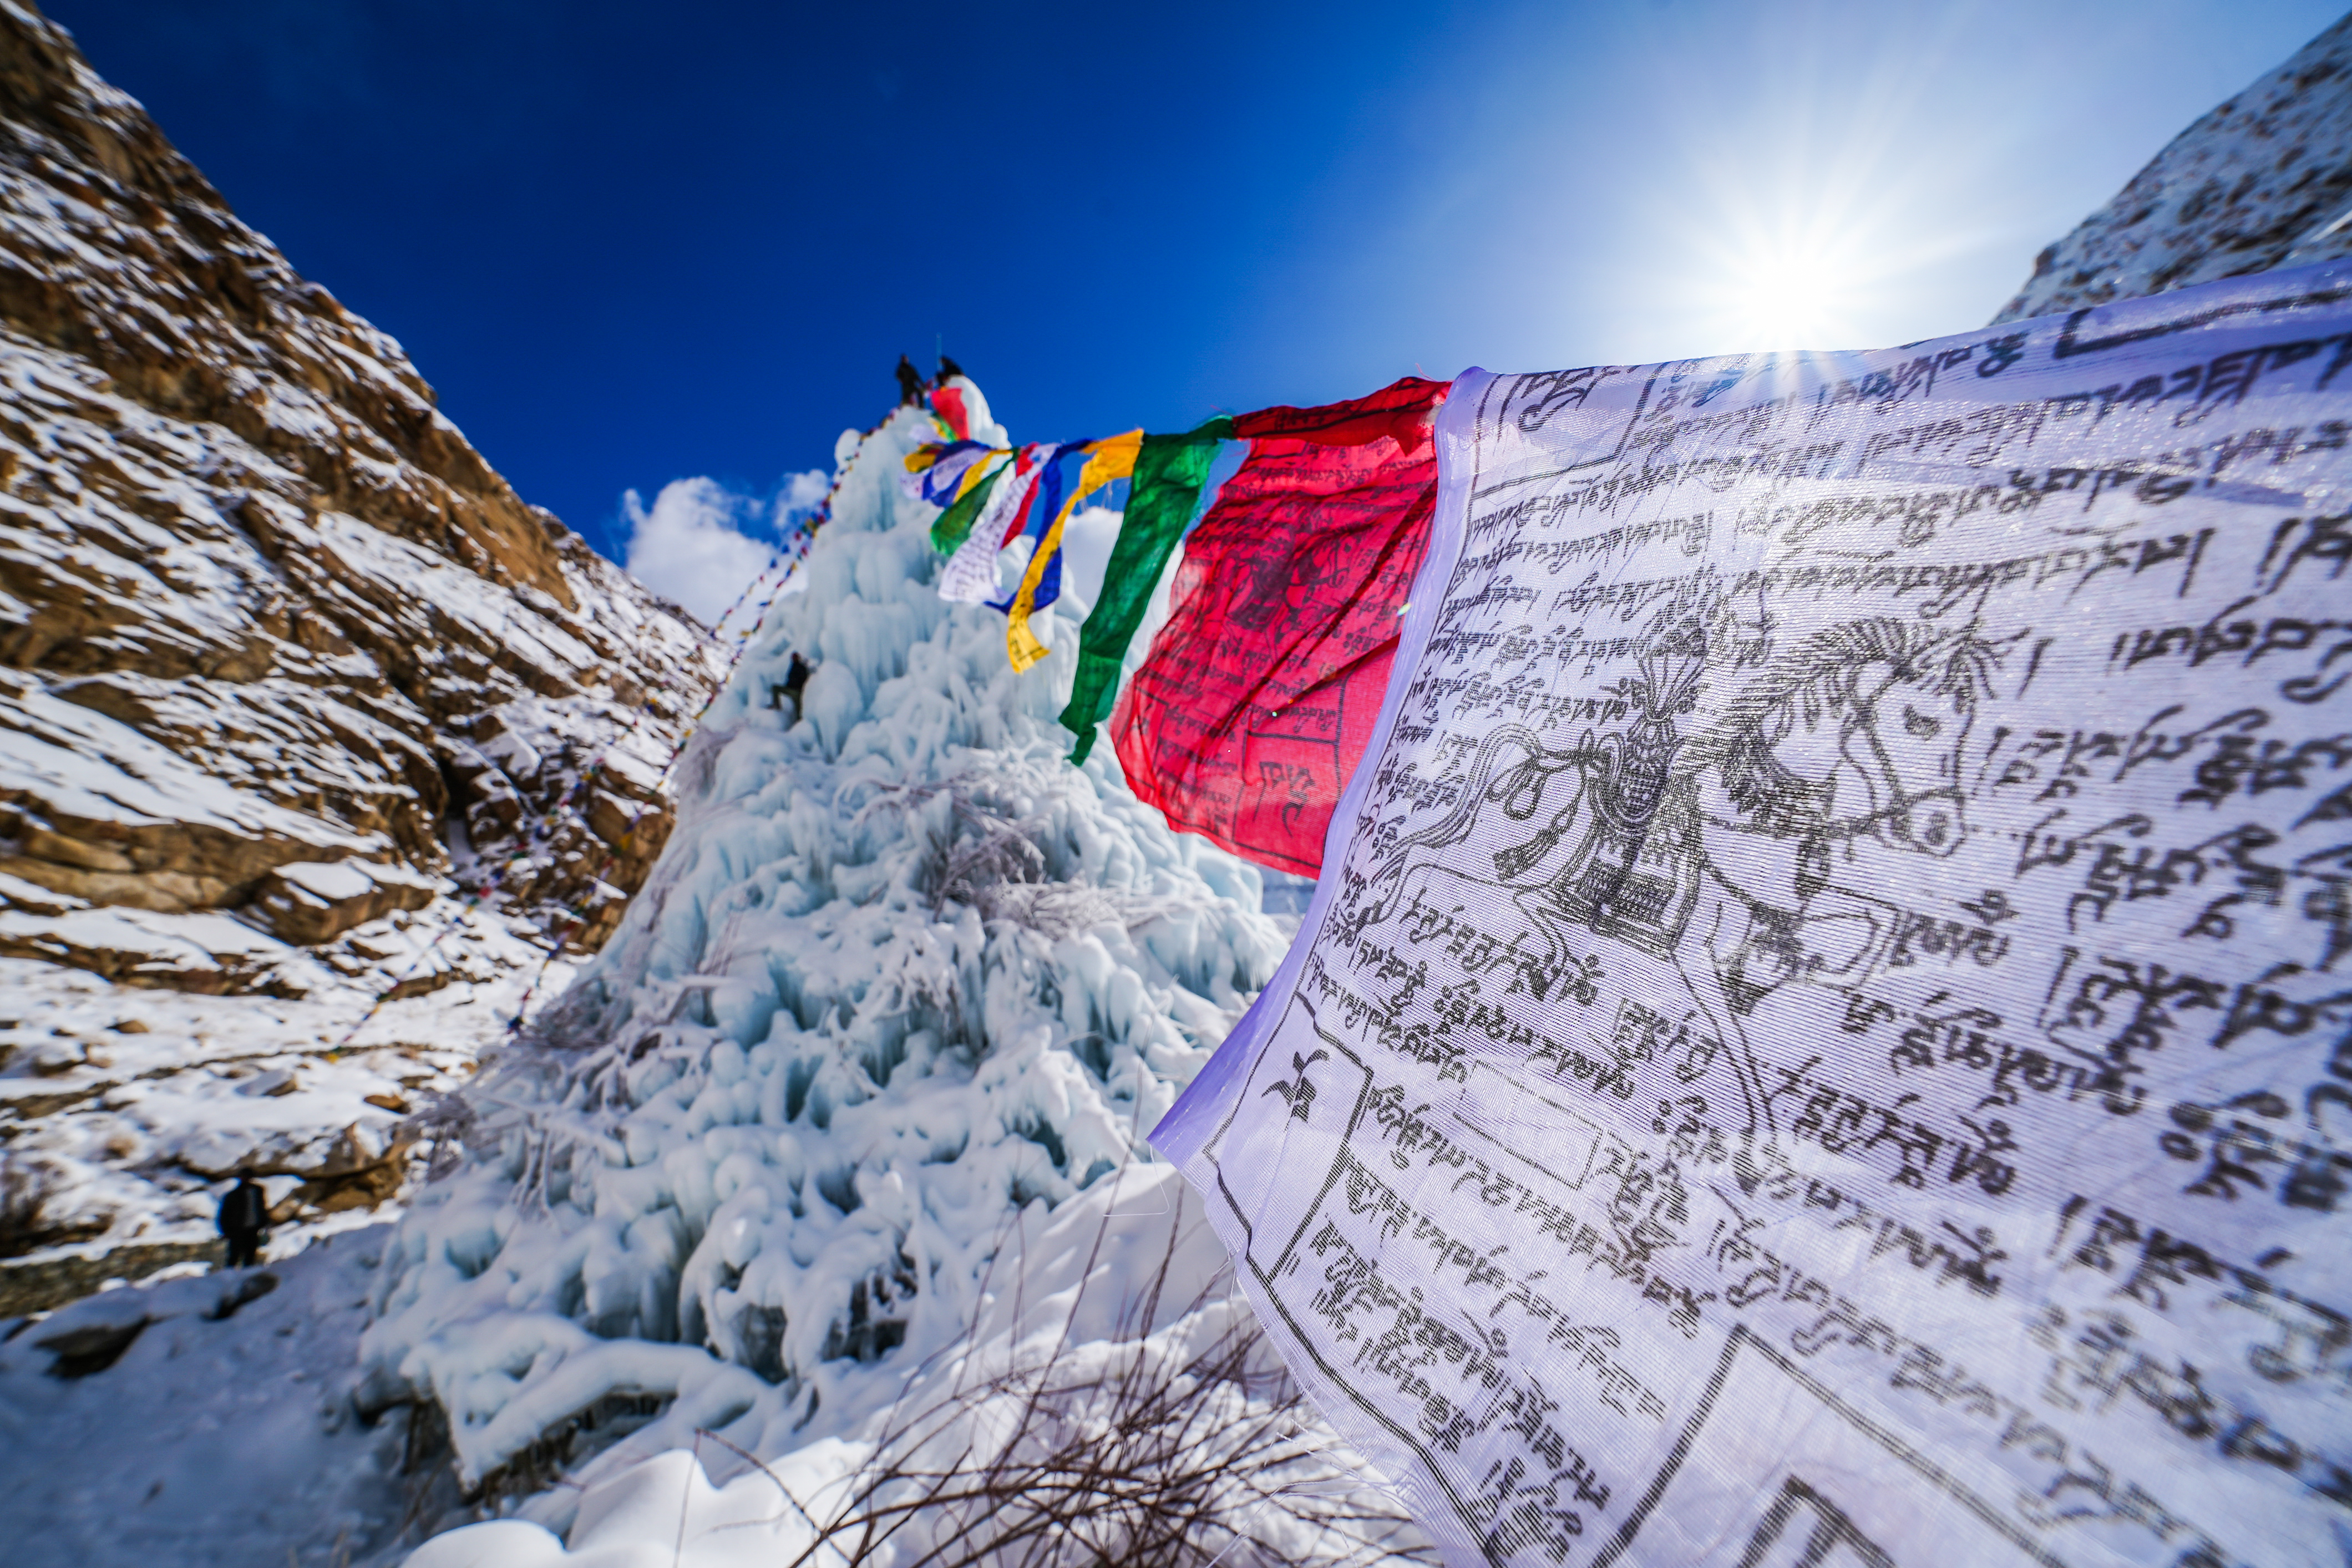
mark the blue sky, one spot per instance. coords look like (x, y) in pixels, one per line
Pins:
(633, 244)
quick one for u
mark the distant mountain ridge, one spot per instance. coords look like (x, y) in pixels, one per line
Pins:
(2263, 180)
(276, 642)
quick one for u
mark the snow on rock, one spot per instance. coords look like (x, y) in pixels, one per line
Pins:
(205, 953)
(286, 672)
(261, 605)
(132, 1107)
(316, 902)
(2263, 180)
(902, 980)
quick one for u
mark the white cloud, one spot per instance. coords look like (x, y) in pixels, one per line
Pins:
(690, 546)
(801, 491)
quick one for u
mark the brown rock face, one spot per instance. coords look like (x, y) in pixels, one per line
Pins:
(311, 903)
(266, 617)
(148, 278)
(2263, 180)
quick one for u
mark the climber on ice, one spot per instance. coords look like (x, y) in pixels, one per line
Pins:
(244, 1220)
(795, 680)
(910, 383)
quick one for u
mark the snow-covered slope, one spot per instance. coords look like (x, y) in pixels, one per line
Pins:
(1112, 1402)
(2263, 180)
(267, 623)
(204, 1422)
(285, 669)
(901, 974)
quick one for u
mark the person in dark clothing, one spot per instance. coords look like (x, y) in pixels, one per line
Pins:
(911, 381)
(244, 1220)
(796, 676)
(948, 368)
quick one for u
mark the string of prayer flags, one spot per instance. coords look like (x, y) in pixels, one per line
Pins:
(969, 576)
(1296, 589)
(954, 525)
(1108, 461)
(993, 497)
(1057, 469)
(1169, 472)
(1056, 475)
(940, 475)
(1259, 695)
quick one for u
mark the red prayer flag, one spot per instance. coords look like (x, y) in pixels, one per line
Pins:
(1261, 691)
(948, 403)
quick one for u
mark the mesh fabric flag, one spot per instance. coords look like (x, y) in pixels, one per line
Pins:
(1170, 471)
(1260, 692)
(1827, 1035)
(1108, 461)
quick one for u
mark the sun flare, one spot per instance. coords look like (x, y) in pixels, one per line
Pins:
(1793, 298)
(1794, 254)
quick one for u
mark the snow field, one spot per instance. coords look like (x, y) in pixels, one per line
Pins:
(135, 1106)
(225, 1434)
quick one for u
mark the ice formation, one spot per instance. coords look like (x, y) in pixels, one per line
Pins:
(901, 977)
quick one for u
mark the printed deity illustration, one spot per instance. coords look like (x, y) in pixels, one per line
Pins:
(1713, 842)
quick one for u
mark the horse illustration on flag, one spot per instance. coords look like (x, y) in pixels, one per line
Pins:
(1716, 851)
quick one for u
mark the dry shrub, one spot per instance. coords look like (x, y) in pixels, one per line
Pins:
(994, 862)
(442, 1124)
(1175, 1451)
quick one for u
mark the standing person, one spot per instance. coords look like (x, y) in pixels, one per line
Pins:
(910, 382)
(949, 368)
(244, 1220)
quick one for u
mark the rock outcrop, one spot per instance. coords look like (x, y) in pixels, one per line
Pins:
(2263, 180)
(275, 640)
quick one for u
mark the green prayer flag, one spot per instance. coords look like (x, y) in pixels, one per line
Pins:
(1169, 474)
(954, 525)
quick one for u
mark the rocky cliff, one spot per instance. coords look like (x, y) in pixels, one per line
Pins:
(276, 643)
(2263, 180)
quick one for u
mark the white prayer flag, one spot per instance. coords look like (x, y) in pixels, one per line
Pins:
(1825, 1035)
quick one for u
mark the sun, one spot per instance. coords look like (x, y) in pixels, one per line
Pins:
(1781, 253)
(1795, 298)
(1777, 287)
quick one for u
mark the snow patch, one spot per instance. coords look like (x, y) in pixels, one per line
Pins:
(1107, 1349)
(225, 1422)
